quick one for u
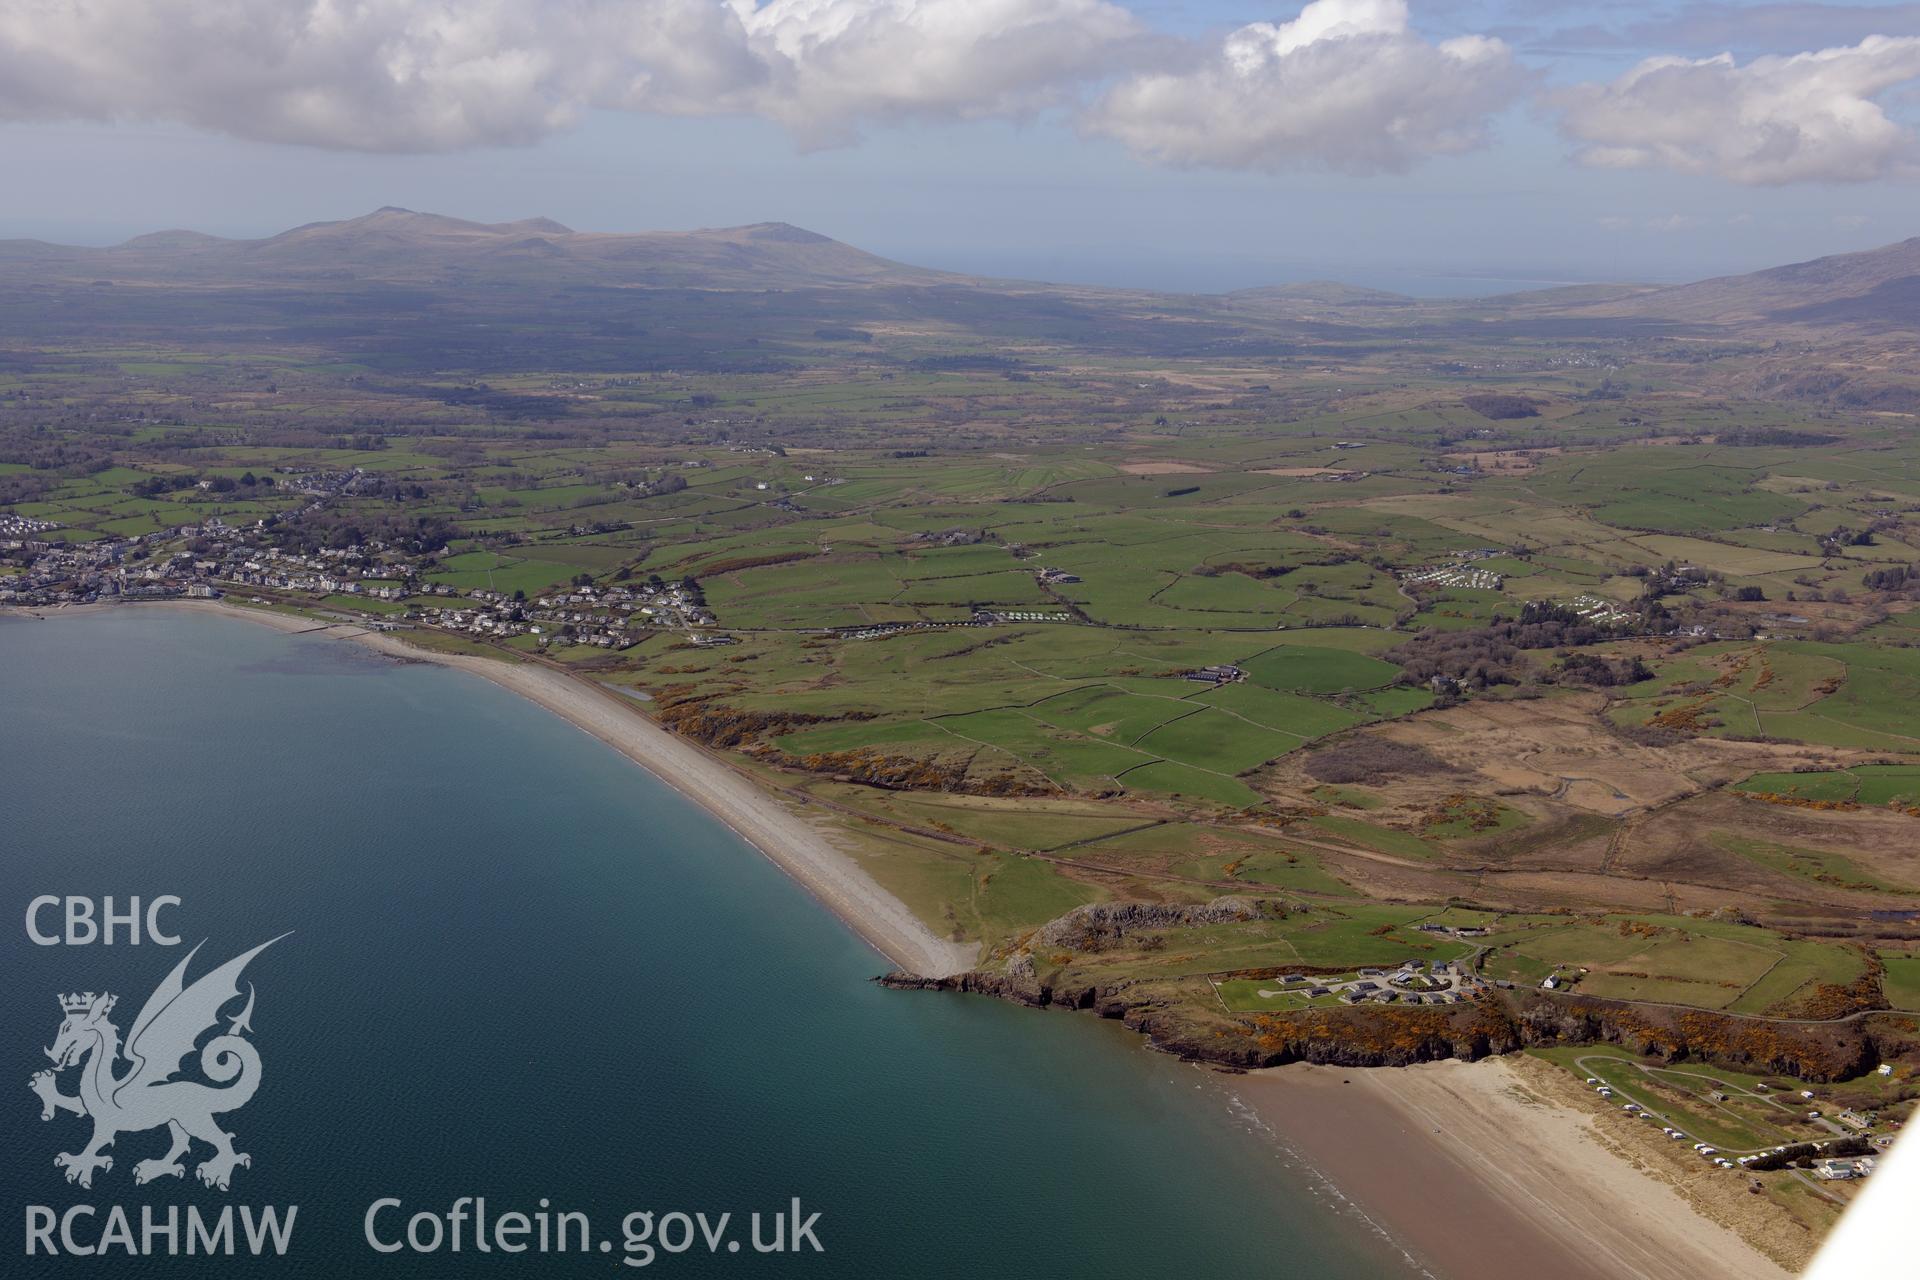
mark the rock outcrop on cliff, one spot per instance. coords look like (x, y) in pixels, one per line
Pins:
(1178, 1021)
(1099, 925)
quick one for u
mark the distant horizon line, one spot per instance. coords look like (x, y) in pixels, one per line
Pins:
(1074, 265)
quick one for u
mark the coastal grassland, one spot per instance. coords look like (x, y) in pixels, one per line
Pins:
(1215, 856)
(1347, 797)
(1189, 783)
(1082, 707)
(1664, 491)
(364, 604)
(963, 889)
(1381, 839)
(1897, 785)
(1747, 1119)
(1218, 741)
(1269, 995)
(1464, 817)
(1030, 823)
(1881, 683)
(1302, 668)
(1818, 865)
(1670, 960)
(938, 884)
(1325, 936)
(1902, 979)
(1828, 694)
(1303, 718)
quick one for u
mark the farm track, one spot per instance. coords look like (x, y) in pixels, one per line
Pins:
(1617, 845)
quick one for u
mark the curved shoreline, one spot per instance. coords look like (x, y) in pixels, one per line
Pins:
(1442, 1158)
(788, 840)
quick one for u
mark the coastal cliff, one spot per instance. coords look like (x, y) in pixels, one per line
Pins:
(1499, 1022)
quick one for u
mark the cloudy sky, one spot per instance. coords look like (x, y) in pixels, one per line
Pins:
(1433, 145)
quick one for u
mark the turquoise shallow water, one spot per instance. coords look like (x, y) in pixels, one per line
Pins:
(522, 968)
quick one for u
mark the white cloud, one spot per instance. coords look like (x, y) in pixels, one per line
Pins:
(1347, 85)
(1810, 117)
(422, 75)
(839, 61)
(1661, 224)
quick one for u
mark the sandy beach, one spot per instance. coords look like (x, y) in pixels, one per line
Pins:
(788, 839)
(1496, 1170)
(1482, 1170)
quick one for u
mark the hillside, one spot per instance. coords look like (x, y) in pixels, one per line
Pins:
(424, 291)
(1877, 288)
(1319, 296)
(401, 245)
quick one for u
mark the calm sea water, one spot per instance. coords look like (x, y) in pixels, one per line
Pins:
(522, 968)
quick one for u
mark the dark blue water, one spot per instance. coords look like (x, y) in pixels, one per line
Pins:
(521, 968)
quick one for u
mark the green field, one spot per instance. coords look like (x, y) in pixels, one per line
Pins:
(1300, 669)
(1864, 784)
(1748, 1120)
(1669, 960)
(1818, 865)
(984, 563)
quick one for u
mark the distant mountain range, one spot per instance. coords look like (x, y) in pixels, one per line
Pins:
(1875, 289)
(400, 245)
(418, 293)
(1879, 288)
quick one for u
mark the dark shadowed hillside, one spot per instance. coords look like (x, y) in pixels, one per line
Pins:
(402, 290)
(1875, 288)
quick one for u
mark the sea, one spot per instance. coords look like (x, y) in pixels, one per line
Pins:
(511, 966)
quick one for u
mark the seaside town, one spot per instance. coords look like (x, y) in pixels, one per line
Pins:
(214, 559)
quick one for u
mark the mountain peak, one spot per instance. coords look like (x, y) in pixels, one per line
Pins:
(394, 243)
(395, 218)
(175, 239)
(783, 233)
